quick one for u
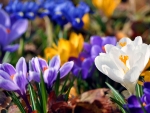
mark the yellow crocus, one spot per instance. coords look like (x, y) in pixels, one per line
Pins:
(107, 6)
(86, 21)
(66, 48)
(145, 74)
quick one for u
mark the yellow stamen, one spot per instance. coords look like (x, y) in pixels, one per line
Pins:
(124, 59)
(122, 44)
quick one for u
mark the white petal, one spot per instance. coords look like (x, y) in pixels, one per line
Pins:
(138, 40)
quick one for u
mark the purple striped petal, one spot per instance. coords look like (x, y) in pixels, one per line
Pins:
(21, 66)
(8, 68)
(50, 76)
(5, 75)
(4, 18)
(18, 29)
(34, 76)
(55, 62)
(66, 68)
(3, 36)
(20, 81)
(11, 48)
(8, 85)
(43, 63)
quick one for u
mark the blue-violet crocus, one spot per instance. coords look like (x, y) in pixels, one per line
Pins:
(10, 32)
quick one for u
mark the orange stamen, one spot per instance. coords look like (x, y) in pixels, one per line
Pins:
(8, 30)
(12, 77)
(45, 68)
(82, 58)
(124, 59)
(122, 44)
(103, 48)
(144, 104)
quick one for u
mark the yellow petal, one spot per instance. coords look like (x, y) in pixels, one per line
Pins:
(147, 66)
(147, 78)
(50, 52)
(107, 6)
(86, 21)
(145, 73)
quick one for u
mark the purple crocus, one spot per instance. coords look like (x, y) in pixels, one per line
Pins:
(85, 62)
(10, 32)
(12, 79)
(96, 45)
(50, 71)
(134, 103)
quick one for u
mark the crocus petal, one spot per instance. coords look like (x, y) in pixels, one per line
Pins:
(4, 19)
(18, 29)
(50, 76)
(3, 37)
(8, 68)
(95, 50)
(8, 85)
(21, 66)
(55, 62)
(66, 68)
(106, 66)
(138, 40)
(96, 40)
(20, 81)
(133, 100)
(35, 76)
(4, 75)
(87, 47)
(109, 40)
(11, 48)
(42, 63)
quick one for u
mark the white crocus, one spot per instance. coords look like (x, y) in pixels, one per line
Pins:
(123, 65)
(125, 41)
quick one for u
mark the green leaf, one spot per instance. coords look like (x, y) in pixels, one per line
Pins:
(68, 91)
(32, 97)
(57, 83)
(43, 94)
(139, 90)
(16, 101)
(120, 105)
(116, 94)
(64, 85)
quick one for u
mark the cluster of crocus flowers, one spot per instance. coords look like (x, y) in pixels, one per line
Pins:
(139, 104)
(107, 6)
(66, 48)
(50, 71)
(10, 31)
(85, 62)
(125, 62)
(59, 11)
(16, 79)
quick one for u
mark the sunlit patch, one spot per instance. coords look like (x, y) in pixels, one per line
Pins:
(122, 44)
(8, 30)
(12, 77)
(45, 68)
